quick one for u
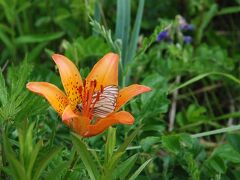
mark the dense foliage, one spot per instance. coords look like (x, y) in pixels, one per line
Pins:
(186, 51)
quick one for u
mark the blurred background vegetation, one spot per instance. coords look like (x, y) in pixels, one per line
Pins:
(195, 84)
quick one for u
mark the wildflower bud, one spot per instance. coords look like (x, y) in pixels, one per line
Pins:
(184, 26)
(187, 39)
(163, 35)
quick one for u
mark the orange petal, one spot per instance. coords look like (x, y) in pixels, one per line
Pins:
(101, 125)
(68, 115)
(53, 94)
(128, 93)
(71, 79)
(105, 71)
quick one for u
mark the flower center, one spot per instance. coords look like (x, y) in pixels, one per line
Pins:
(89, 98)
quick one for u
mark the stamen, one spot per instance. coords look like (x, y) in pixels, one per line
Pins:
(95, 83)
(89, 97)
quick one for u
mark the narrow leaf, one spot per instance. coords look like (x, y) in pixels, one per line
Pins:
(38, 38)
(45, 161)
(85, 156)
(110, 144)
(122, 170)
(135, 32)
(139, 170)
(33, 157)
(201, 76)
(16, 167)
(128, 140)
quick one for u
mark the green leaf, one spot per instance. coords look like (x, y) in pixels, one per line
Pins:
(229, 10)
(33, 157)
(54, 174)
(135, 33)
(128, 140)
(233, 139)
(123, 24)
(227, 153)
(139, 170)
(206, 20)
(217, 131)
(171, 143)
(85, 156)
(28, 143)
(38, 38)
(148, 142)
(201, 76)
(118, 154)
(45, 161)
(16, 168)
(3, 90)
(217, 164)
(5, 39)
(35, 52)
(116, 46)
(110, 144)
(122, 170)
(83, 48)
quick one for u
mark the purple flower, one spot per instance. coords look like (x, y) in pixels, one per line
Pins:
(163, 35)
(184, 25)
(187, 39)
(187, 27)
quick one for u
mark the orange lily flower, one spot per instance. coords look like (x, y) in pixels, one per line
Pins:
(89, 107)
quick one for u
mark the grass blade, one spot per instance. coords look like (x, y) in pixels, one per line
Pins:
(85, 156)
(38, 38)
(123, 24)
(135, 33)
(45, 161)
(124, 168)
(139, 170)
(201, 76)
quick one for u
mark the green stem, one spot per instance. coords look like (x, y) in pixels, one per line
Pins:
(201, 76)
(218, 131)
(225, 116)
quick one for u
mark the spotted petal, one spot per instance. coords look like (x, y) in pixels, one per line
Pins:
(71, 78)
(53, 94)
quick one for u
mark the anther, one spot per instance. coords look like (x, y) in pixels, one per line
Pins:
(95, 83)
